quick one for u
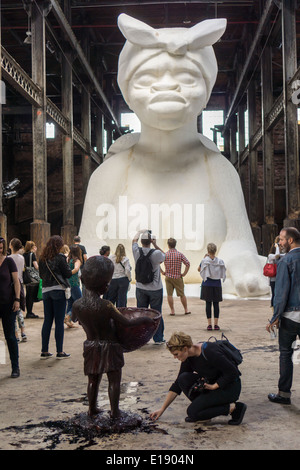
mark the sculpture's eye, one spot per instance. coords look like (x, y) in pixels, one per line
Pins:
(144, 80)
(185, 78)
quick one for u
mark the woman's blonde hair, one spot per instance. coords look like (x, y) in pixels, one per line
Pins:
(65, 250)
(120, 253)
(211, 248)
(179, 340)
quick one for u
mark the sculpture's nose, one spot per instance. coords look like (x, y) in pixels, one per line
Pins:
(166, 83)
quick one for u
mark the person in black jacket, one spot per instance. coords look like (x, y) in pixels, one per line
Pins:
(54, 272)
(31, 289)
(9, 304)
(219, 389)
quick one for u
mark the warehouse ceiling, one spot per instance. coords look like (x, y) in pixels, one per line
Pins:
(95, 23)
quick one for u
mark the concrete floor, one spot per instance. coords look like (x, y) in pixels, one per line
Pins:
(54, 390)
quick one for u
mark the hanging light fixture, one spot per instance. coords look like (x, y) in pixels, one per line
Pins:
(186, 19)
(27, 40)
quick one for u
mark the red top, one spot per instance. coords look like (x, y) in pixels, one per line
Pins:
(173, 262)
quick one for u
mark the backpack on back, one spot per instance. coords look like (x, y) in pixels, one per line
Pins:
(230, 351)
(143, 268)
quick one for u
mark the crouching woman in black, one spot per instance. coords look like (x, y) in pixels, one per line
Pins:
(222, 385)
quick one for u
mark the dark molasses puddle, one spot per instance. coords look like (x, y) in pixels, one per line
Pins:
(82, 430)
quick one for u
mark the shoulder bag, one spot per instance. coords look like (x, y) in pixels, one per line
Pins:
(66, 289)
(30, 274)
(270, 270)
(129, 279)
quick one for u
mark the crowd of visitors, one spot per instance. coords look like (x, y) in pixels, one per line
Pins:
(55, 279)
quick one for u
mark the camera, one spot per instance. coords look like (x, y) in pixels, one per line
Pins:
(197, 387)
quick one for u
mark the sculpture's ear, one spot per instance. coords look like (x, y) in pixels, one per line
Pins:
(136, 31)
(206, 33)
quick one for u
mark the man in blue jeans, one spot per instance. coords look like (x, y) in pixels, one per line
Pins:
(287, 310)
(150, 295)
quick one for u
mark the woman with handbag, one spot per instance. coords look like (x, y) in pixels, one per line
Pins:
(273, 259)
(16, 246)
(32, 286)
(54, 272)
(9, 304)
(118, 288)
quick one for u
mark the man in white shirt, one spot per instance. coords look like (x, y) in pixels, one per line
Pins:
(150, 294)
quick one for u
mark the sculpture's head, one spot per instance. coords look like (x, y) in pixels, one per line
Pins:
(96, 274)
(167, 75)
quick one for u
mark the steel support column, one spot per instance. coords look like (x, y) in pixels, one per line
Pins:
(3, 220)
(68, 229)
(40, 228)
(269, 229)
(86, 123)
(289, 41)
(253, 187)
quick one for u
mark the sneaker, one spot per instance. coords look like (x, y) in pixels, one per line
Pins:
(238, 414)
(62, 355)
(24, 338)
(276, 398)
(15, 373)
(31, 315)
(158, 343)
(46, 355)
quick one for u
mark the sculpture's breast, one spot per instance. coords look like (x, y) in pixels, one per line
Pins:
(182, 204)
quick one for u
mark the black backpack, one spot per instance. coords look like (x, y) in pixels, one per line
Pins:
(143, 268)
(230, 351)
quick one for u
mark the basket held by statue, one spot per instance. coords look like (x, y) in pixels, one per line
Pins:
(134, 337)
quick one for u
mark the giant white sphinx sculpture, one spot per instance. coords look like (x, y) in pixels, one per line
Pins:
(169, 178)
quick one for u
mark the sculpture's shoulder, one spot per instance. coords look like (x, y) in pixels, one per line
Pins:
(219, 165)
(213, 153)
(113, 167)
(122, 144)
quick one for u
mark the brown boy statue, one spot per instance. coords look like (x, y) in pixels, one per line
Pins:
(99, 318)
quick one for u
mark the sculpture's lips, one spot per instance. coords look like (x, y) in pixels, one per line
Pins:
(163, 97)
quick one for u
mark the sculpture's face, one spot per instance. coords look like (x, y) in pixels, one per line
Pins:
(167, 91)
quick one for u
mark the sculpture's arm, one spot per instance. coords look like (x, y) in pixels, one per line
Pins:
(244, 265)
